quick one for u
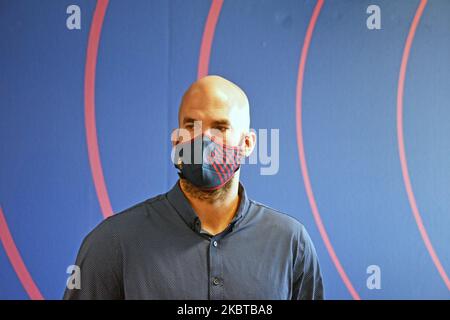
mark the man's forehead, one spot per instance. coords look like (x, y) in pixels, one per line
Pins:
(208, 112)
(207, 118)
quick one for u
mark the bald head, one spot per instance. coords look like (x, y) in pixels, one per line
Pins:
(215, 98)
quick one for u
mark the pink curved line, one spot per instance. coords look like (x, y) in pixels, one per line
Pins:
(16, 260)
(301, 152)
(207, 40)
(401, 145)
(208, 36)
(89, 108)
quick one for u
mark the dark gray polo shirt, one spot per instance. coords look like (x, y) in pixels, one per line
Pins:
(155, 250)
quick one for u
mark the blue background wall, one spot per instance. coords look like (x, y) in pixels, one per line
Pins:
(148, 54)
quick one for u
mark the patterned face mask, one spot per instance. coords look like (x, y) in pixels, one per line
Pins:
(206, 164)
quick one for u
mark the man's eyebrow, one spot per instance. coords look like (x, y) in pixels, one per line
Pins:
(186, 120)
(224, 122)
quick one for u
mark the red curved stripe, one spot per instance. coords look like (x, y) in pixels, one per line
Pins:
(301, 152)
(16, 260)
(224, 164)
(208, 36)
(89, 108)
(219, 174)
(401, 145)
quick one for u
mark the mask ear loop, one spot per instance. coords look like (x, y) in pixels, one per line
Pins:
(241, 148)
(178, 140)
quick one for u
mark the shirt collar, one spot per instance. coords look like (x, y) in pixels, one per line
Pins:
(179, 201)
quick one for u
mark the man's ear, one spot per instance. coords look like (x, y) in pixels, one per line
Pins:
(174, 137)
(249, 142)
(179, 135)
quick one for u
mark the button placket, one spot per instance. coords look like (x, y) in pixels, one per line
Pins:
(216, 271)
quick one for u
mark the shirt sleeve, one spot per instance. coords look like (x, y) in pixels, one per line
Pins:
(307, 276)
(100, 263)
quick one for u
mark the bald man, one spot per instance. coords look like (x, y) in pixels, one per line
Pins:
(204, 238)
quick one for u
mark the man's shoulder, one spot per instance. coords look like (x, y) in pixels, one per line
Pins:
(276, 218)
(127, 219)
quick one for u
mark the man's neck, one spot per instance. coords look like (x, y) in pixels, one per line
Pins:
(215, 216)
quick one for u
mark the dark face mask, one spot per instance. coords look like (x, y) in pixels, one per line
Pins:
(206, 164)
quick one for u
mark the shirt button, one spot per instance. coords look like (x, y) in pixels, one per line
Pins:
(216, 281)
(215, 243)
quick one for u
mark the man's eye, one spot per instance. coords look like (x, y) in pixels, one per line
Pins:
(189, 126)
(222, 128)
